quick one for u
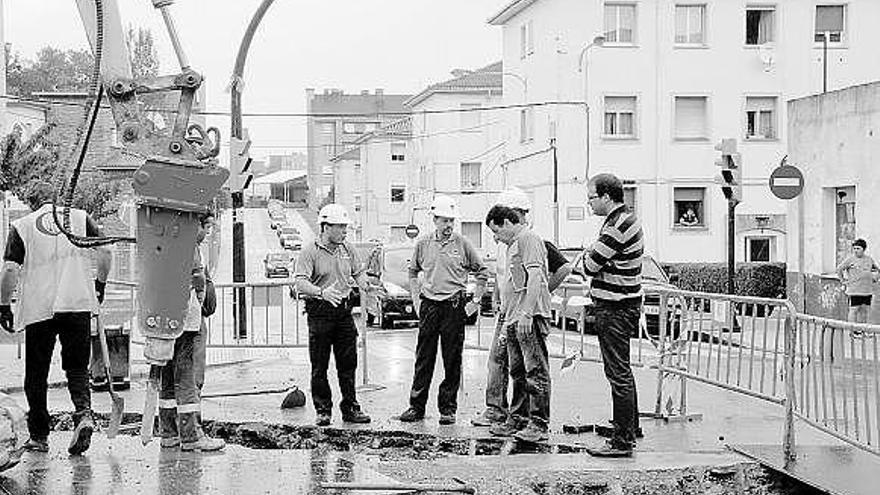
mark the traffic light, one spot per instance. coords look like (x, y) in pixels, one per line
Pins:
(731, 170)
(239, 163)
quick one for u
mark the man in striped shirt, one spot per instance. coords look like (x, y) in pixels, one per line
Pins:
(615, 263)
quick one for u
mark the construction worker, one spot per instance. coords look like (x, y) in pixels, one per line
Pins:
(497, 377)
(526, 306)
(444, 258)
(327, 272)
(209, 304)
(56, 300)
(614, 261)
(179, 395)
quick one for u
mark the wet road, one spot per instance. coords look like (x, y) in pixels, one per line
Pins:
(124, 466)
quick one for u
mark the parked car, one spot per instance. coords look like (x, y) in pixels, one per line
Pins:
(277, 264)
(571, 302)
(291, 241)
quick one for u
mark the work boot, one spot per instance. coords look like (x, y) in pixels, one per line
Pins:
(37, 444)
(489, 417)
(170, 436)
(532, 433)
(193, 438)
(411, 415)
(322, 420)
(612, 448)
(508, 428)
(355, 416)
(82, 435)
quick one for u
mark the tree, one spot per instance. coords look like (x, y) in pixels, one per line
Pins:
(142, 53)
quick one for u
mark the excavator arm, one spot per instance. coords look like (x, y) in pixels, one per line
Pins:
(177, 179)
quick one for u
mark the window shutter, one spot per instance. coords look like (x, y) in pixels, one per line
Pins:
(690, 117)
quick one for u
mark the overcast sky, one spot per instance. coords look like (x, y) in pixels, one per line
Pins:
(399, 45)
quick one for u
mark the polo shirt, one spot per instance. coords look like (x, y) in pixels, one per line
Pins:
(446, 264)
(324, 266)
(527, 251)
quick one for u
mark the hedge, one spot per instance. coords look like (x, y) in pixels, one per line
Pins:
(751, 279)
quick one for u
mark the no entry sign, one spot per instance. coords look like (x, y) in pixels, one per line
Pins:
(786, 182)
(412, 231)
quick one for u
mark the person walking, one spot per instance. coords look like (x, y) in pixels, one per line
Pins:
(56, 300)
(859, 272)
(327, 272)
(497, 405)
(526, 307)
(614, 261)
(444, 258)
(180, 391)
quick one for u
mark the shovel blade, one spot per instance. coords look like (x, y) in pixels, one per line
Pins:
(116, 416)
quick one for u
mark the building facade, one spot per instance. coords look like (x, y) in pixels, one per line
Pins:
(835, 142)
(458, 148)
(335, 121)
(664, 82)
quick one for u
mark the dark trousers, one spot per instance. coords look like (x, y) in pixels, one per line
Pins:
(332, 329)
(441, 321)
(530, 372)
(73, 330)
(615, 323)
(178, 376)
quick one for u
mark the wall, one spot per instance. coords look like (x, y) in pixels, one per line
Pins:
(835, 141)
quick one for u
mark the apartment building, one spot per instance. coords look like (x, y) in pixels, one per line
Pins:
(664, 81)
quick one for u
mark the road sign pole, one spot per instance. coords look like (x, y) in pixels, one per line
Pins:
(731, 245)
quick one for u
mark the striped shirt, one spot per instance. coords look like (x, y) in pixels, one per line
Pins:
(615, 259)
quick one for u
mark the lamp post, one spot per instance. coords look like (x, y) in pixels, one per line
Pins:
(598, 40)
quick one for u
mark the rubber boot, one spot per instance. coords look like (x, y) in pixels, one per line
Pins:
(168, 428)
(193, 438)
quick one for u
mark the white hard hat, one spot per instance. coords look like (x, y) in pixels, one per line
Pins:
(514, 198)
(444, 206)
(333, 214)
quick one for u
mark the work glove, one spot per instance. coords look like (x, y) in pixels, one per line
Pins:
(99, 290)
(6, 318)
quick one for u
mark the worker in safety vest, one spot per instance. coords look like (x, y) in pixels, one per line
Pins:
(58, 294)
(327, 272)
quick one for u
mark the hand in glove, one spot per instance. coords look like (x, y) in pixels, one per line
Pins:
(6, 318)
(99, 290)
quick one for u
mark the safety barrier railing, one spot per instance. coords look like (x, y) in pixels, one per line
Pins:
(836, 378)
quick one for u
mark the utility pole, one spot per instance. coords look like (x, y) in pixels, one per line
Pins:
(239, 301)
(731, 185)
(555, 193)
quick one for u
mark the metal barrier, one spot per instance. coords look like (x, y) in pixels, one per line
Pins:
(836, 378)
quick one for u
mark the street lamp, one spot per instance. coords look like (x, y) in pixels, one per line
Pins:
(582, 67)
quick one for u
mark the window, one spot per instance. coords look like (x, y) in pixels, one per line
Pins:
(620, 116)
(758, 249)
(357, 203)
(760, 117)
(688, 206)
(470, 117)
(629, 198)
(398, 152)
(473, 231)
(830, 19)
(690, 24)
(526, 124)
(620, 23)
(760, 25)
(398, 194)
(470, 176)
(574, 213)
(526, 40)
(690, 117)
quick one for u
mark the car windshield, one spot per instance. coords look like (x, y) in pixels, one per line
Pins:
(396, 269)
(652, 271)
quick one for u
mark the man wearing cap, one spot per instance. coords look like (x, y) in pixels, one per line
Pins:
(444, 259)
(496, 410)
(327, 271)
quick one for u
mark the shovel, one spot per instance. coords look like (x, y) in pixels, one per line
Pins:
(118, 402)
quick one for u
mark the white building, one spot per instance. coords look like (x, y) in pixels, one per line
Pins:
(670, 81)
(458, 148)
(371, 181)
